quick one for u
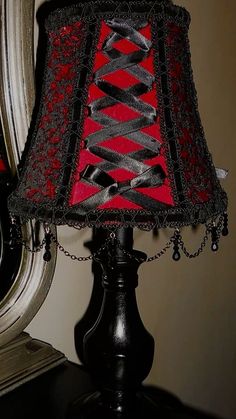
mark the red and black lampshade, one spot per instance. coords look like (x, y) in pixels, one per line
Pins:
(118, 138)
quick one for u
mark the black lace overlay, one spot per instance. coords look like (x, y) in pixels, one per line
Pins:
(58, 145)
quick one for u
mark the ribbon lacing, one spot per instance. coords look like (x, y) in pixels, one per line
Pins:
(146, 176)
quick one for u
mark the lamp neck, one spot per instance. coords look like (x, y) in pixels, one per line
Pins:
(113, 353)
(121, 263)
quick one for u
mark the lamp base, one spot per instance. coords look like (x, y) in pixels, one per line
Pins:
(149, 403)
(118, 350)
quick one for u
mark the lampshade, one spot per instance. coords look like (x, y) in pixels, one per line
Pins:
(118, 140)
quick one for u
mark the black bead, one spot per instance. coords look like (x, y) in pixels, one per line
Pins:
(12, 244)
(214, 234)
(13, 236)
(47, 256)
(176, 256)
(155, 232)
(214, 247)
(225, 231)
(215, 239)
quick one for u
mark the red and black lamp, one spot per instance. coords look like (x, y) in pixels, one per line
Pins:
(118, 144)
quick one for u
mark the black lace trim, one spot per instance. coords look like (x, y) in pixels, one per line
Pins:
(109, 9)
(173, 217)
(168, 128)
(87, 55)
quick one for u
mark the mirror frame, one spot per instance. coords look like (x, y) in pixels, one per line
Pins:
(33, 277)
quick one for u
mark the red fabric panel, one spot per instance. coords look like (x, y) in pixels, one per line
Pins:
(121, 78)
(125, 46)
(120, 112)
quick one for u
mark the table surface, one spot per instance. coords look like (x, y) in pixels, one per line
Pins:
(50, 395)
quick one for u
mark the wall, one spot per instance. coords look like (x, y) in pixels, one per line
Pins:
(189, 307)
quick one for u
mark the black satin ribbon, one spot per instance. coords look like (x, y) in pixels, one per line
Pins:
(139, 155)
(125, 61)
(153, 177)
(107, 101)
(139, 72)
(120, 160)
(124, 97)
(118, 130)
(140, 137)
(129, 97)
(134, 162)
(137, 24)
(128, 29)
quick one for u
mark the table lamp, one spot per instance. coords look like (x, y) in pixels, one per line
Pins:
(117, 143)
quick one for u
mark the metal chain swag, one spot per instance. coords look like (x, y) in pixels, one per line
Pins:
(176, 240)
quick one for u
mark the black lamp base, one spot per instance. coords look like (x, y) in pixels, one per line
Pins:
(118, 351)
(149, 403)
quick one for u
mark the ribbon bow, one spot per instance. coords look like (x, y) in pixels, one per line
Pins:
(152, 177)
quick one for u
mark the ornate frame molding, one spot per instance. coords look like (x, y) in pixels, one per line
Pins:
(33, 279)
